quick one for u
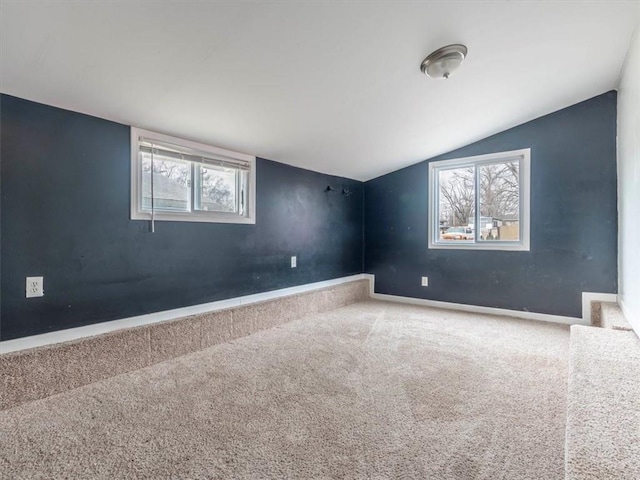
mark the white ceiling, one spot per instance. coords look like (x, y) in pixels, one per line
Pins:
(330, 86)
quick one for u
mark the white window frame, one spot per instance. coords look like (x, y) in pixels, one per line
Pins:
(137, 213)
(523, 244)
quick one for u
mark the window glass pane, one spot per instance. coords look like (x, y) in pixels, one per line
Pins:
(499, 201)
(456, 206)
(217, 189)
(171, 184)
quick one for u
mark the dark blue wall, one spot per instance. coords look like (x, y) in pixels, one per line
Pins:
(573, 222)
(65, 215)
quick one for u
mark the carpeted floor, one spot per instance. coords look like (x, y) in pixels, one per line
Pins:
(372, 390)
(603, 410)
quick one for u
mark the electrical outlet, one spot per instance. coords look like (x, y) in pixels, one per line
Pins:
(425, 281)
(294, 262)
(34, 287)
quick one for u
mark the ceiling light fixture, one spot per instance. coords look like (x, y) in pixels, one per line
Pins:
(444, 61)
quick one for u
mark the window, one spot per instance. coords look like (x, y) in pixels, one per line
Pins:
(191, 182)
(480, 202)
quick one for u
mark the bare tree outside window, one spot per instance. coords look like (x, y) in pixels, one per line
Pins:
(500, 200)
(499, 204)
(173, 170)
(457, 196)
(172, 186)
(217, 189)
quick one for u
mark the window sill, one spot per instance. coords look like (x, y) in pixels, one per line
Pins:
(519, 247)
(194, 217)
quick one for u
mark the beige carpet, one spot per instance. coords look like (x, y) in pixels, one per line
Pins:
(372, 390)
(603, 405)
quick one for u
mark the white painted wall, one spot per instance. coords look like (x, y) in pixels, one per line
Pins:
(629, 184)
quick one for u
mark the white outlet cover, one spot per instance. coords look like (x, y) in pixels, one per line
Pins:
(425, 281)
(294, 262)
(34, 287)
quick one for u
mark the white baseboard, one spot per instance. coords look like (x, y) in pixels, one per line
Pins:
(157, 317)
(587, 298)
(150, 318)
(479, 309)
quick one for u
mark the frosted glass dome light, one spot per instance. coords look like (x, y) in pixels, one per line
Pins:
(444, 61)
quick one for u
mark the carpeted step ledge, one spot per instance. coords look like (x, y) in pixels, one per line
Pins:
(603, 405)
(611, 316)
(37, 373)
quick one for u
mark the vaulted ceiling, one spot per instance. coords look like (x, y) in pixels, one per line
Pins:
(330, 86)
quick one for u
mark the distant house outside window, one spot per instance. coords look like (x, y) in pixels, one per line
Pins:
(179, 180)
(480, 202)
